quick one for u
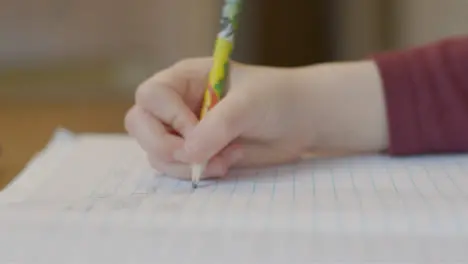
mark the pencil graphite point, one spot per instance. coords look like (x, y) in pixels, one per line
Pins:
(197, 170)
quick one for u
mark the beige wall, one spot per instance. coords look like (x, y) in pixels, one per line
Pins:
(366, 26)
(422, 21)
(86, 47)
(357, 28)
(48, 30)
(140, 37)
(161, 31)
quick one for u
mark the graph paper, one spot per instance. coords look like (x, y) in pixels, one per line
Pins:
(94, 199)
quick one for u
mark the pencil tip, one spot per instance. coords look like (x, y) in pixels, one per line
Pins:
(197, 171)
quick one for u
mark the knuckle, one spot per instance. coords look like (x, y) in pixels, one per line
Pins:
(144, 93)
(193, 64)
(187, 63)
(180, 121)
(130, 117)
(152, 96)
(181, 64)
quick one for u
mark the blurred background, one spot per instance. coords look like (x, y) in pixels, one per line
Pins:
(76, 63)
(83, 49)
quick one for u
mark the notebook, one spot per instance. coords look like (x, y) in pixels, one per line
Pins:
(93, 198)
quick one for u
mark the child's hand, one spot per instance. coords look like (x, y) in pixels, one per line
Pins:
(268, 116)
(263, 119)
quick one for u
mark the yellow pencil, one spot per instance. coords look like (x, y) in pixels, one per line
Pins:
(220, 68)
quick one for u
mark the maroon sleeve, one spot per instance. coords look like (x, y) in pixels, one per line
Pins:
(426, 92)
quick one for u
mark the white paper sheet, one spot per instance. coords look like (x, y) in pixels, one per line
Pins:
(94, 199)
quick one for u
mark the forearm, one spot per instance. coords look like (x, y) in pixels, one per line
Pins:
(346, 106)
(407, 102)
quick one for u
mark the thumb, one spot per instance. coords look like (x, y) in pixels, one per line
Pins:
(221, 125)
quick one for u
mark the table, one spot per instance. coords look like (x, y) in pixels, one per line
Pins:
(25, 127)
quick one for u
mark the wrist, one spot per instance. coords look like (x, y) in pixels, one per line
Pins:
(344, 106)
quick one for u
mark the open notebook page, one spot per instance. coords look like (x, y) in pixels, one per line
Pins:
(95, 199)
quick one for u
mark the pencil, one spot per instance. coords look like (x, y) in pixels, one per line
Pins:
(215, 89)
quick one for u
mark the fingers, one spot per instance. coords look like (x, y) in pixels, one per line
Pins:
(173, 94)
(173, 169)
(216, 168)
(254, 154)
(166, 105)
(218, 128)
(151, 135)
(161, 147)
